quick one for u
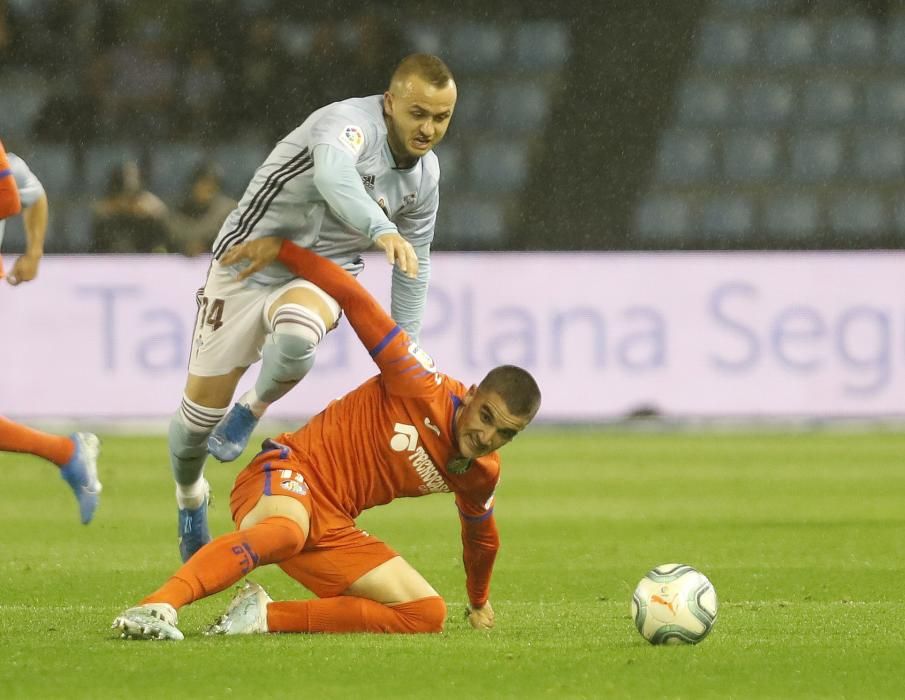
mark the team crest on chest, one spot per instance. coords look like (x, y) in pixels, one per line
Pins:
(368, 181)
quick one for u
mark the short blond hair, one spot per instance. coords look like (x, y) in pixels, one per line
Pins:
(425, 66)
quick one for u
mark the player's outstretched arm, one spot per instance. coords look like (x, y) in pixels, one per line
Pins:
(370, 322)
(368, 318)
(35, 217)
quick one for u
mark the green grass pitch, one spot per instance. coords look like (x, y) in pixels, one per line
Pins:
(802, 534)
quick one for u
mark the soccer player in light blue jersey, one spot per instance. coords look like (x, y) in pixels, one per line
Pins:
(355, 175)
(75, 455)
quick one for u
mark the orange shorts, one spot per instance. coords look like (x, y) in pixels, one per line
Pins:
(336, 553)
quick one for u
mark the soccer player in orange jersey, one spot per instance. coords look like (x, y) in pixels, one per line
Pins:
(75, 455)
(409, 431)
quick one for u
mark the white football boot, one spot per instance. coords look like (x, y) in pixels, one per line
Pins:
(149, 621)
(246, 614)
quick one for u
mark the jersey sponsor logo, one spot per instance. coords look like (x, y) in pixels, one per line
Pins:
(406, 440)
(406, 437)
(352, 138)
(369, 181)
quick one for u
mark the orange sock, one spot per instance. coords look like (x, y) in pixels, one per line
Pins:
(19, 438)
(350, 614)
(225, 560)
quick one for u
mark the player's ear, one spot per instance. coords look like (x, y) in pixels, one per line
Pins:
(470, 394)
(388, 103)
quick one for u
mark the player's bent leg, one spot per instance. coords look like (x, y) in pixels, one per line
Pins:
(224, 561)
(203, 405)
(395, 581)
(297, 320)
(345, 614)
(390, 598)
(287, 356)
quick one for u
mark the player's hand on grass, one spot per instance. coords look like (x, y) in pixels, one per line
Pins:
(25, 269)
(399, 252)
(258, 253)
(480, 618)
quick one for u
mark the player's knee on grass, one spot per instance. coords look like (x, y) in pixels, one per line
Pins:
(423, 615)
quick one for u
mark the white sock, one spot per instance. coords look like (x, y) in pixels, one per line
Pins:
(253, 403)
(192, 496)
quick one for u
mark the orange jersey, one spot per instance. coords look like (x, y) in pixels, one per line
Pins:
(394, 435)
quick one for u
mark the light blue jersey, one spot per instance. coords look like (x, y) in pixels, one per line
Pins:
(332, 186)
(30, 187)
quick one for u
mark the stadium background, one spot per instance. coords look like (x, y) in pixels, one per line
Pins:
(607, 131)
(731, 125)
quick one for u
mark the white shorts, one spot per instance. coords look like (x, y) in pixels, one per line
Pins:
(232, 322)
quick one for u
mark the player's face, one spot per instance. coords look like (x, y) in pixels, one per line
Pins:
(484, 423)
(418, 115)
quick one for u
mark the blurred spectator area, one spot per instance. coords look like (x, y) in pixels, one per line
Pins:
(787, 130)
(509, 76)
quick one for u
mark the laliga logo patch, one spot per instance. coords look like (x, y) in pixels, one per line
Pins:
(352, 138)
(423, 358)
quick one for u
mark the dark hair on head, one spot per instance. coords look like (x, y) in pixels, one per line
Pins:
(516, 387)
(426, 66)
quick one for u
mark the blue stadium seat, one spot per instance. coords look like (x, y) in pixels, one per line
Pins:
(296, 38)
(879, 156)
(894, 41)
(54, 166)
(829, 101)
(521, 106)
(78, 223)
(238, 162)
(686, 157)
(476, 46)
(663, 217)
(171, 168)
(474, 222)
(751, 156)
(541, 45)
(816, 157)
(789, 42)
(499, 166)
(737, 7)
(858, 214)
(426, 38)
(767, 103)
(724, 44)
(792, 216)
(100, 160)
(851, 41)
(884, 101)
(471, 107)
(20, 102)
(702, 102)
(728, 217)
(898, 217)
(451, 165)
